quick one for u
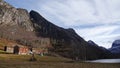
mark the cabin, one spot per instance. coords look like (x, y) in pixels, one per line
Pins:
(9, 49)
(17, 49)
(23, 50)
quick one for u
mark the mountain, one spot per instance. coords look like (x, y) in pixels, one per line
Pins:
(66, 42)
(92, 43)
(115, 49)
(116, 43)
(26, 28)
(106, 53)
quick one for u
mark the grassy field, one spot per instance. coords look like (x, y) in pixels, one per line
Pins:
(22, 61)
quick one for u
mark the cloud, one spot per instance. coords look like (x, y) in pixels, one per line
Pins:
(102, 35)
(82, 12)
(98, 30)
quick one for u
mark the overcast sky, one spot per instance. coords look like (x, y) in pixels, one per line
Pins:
(97, 20)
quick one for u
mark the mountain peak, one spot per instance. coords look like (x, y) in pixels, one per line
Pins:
(71, 30)
(116, 43)
(115, 49)
(36, 16)
(5, 4)
(92, 43)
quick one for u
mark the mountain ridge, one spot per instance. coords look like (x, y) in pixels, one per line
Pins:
(79, 47)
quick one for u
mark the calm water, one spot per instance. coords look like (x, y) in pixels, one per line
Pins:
(106, 61)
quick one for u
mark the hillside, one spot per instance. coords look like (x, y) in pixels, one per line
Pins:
(65, 42)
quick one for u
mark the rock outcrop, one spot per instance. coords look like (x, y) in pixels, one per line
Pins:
(10, 16)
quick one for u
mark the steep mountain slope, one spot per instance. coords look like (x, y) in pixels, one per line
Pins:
(65, 41)
(29, 28)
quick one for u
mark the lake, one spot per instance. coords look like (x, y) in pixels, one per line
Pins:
(106, 61)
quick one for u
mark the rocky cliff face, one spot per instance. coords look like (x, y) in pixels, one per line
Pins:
(10, 16)
(28, 28)
(15, 24)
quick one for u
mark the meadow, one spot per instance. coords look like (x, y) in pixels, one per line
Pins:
(22, 61)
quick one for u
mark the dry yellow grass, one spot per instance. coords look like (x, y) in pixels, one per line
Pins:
(22, 61)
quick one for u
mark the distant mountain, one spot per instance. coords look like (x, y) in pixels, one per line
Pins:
(29, 28)
(115, 49)
(116, 43)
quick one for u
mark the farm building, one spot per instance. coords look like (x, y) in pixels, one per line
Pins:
(9, 49)
(17, 49)
(40, 48)
(23, 50)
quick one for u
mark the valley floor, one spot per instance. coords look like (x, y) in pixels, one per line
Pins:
(22, 61)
